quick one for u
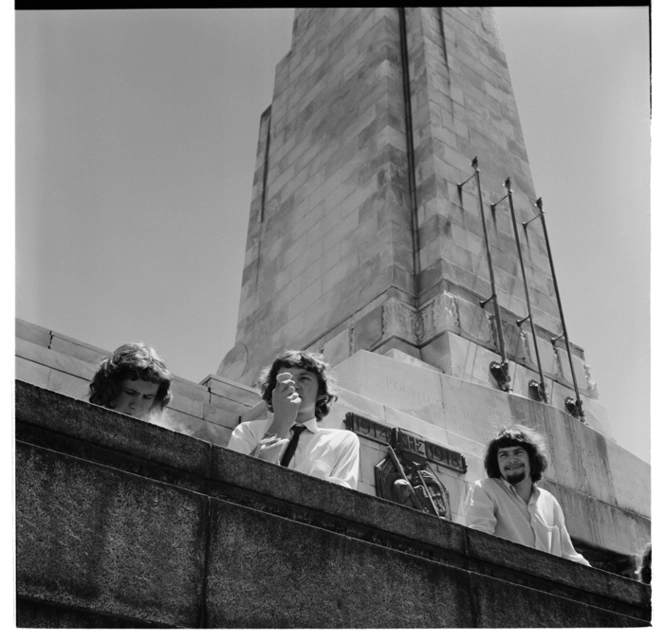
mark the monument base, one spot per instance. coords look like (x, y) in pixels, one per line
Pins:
(603, 488)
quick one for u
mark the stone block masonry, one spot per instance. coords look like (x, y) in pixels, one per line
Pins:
(334, 230)
(376, 116)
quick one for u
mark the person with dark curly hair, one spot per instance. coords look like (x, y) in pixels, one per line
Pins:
(298, 390)
(133, 381)
(510, 505)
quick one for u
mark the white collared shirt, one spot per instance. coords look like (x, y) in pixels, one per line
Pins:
(493, 506)
(326, 453)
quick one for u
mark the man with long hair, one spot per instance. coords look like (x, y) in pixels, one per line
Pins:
(298, 389)
(509, 504)
(133, 381)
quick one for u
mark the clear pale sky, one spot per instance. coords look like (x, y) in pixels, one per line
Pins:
(136, 136)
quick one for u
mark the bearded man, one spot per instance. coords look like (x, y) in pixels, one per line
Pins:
(509, 504)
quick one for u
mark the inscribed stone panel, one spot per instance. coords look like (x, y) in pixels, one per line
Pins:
(472, 410)
(436, 433)
(393, 383)
(352, 401)
(475, 322)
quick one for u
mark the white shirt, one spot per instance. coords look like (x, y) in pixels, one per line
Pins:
(326, 453)
(493, 506)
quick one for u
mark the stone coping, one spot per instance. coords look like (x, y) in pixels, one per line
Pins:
(48, 419)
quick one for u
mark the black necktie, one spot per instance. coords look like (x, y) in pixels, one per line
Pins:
(292, 444)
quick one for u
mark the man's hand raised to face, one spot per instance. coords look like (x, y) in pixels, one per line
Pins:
(285, 404)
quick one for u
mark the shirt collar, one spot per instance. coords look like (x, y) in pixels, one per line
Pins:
(533, 495)
(311, 424)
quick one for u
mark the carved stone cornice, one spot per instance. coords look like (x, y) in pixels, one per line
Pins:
(399, 320)
(436, 316)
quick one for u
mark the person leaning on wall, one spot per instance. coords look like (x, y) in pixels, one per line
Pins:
(509, 504)
(133, 381)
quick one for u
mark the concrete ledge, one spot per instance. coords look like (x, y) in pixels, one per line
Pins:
(122, 523)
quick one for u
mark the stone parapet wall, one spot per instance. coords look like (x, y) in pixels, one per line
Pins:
(121, 523)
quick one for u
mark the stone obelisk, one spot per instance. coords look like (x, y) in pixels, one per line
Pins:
(371, 238)
(359, 237)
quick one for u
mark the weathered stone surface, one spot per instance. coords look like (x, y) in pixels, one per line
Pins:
(603, 524)
(221, 416)
(104, 543)
(89, 536)
(338, 347)
(73, 347)
(211, 432)
(108, 429)
(402, 356)
(31, 372)
(54, 360)
(36, 614)
(231, 389)
(328, 160)
(259, 411)
(32, 333)
(187, 405)
(368, 330)
(183, 388)
(69, 385)
(228, 406)
(524, 611)
(280, 560)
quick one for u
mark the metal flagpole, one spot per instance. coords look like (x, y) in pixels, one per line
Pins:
(500, 371)
(538, 390)
(575, 408)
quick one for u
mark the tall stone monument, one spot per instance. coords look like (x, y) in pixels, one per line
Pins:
(385, 230)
